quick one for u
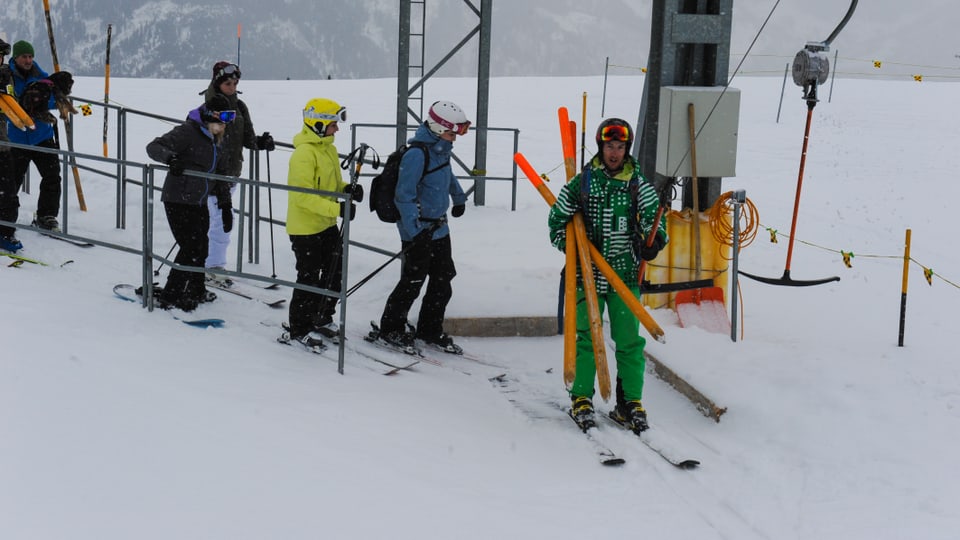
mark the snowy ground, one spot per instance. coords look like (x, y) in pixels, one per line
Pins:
(116, 423)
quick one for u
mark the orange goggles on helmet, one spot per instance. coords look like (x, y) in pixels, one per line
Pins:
(615, 132)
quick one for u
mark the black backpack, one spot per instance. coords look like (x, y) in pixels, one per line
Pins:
(384, 185)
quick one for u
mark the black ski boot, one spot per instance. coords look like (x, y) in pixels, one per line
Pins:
(631, 415)
(582, 413)
(396, 340)
(311, 342)
(443, 342)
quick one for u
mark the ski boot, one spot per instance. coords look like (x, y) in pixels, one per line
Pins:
(631, 415)
(396, 340)
(311, 341)
(216, 280)
(47, 223)
(443, 342)
(10, 244)
(582, 413)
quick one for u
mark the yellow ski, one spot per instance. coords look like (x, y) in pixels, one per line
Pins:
(18, 117)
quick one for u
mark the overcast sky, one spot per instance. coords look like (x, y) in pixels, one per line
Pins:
(906, 37)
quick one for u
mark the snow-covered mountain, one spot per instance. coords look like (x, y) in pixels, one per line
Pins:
(317, 39)
(120, 424)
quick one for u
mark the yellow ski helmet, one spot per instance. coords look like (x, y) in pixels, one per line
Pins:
(318, 113)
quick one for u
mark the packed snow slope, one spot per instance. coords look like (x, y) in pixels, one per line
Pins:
(118, 423)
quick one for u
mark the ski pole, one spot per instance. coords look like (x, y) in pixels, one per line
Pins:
(63, 111)
(347, 164)
(370, 276)
(157, 271)
(273, 260)
(653, 231)
(434, 226)
(106, 91)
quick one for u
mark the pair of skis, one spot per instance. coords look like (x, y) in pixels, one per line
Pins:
(19, 260)
(72, 241)
(128, 293)
(12, 110)
(394, 367)
(422, 351)
(247, 292)
(538, 405)
(609, 458)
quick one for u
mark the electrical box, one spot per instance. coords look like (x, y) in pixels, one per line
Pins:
(716, 120)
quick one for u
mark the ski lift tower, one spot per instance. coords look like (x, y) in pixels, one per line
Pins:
(689, 46)
(411, 67)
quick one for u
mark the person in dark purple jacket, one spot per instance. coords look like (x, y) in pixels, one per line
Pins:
(195, 146)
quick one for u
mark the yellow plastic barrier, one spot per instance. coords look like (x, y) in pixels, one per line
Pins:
(676, 262)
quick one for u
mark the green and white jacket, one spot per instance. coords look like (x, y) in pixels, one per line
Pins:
(610, 225)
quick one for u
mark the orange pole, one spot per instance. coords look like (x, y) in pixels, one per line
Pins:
(586, 271)
(593, 307)
(570, 308)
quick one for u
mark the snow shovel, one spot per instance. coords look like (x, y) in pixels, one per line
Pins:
(702, 307)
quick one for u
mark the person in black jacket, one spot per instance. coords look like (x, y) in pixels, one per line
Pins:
(238, 135)
(193, 145)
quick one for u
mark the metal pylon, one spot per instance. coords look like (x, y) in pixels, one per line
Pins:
(410, 100)
(689, 46)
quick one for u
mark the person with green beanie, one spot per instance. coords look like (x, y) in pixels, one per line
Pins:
(37, 93)
(22, 47)
(8, 239)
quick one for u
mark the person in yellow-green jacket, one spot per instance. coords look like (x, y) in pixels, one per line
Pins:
(312, 222)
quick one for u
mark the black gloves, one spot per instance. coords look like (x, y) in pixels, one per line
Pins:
(355, 191)
(650, 253)
(63, 81)
(458, 210)
(352, 211)
(265, 142)
(226, 214)
(225, 204)
(176, 165)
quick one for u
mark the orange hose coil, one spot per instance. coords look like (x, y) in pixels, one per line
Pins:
(721, 221)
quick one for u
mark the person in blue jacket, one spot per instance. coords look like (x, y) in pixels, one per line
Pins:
(36, 92)
(8, 189)
(423, 202)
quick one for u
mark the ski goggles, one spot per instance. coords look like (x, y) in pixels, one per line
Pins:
(615, 132)
(229, 70)
(340, 116)
(223, 116)
(459, 129)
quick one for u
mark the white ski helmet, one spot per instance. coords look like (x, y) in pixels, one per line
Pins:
(447, 115)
